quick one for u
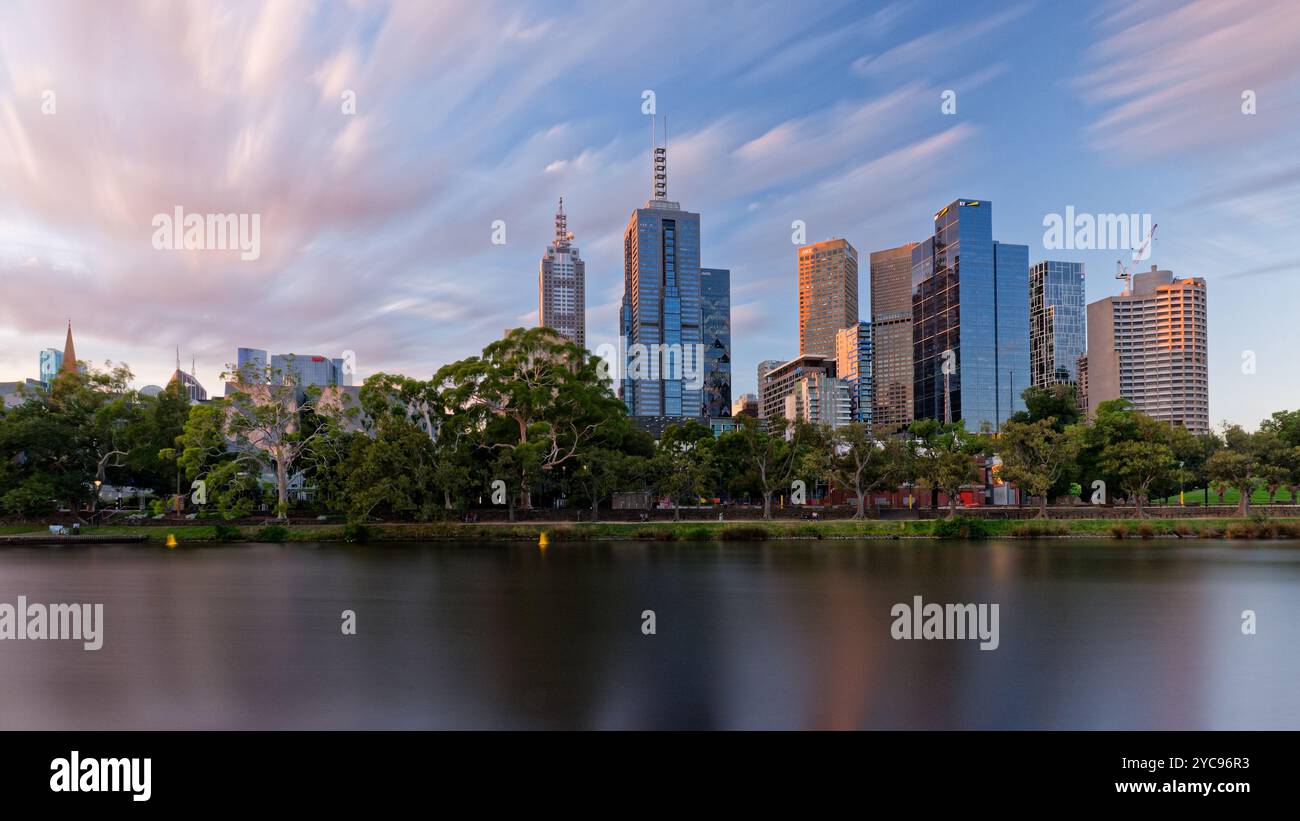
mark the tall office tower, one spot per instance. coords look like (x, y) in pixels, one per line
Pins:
(660, 316)
(305, 371)
(562, 285)
(891, 337)
(251, 362)
(189, 383)
(853, 356)
(715, 325)
(1149, 345)
(970, 320)
(51, 364)
(779, 382)
(1057, 322)
(828, 294)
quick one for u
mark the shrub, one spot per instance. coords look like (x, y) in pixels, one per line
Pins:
(960, 527)
(356, 532)
(1118, 531)
(1146, 531)
(272, 533)
(744, 533)
(1031, 530)
(226, 533)
(1184, 531)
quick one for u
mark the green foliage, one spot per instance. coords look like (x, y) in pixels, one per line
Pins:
(356, 532)
(227, 533)
(272, 533)
(961, 527)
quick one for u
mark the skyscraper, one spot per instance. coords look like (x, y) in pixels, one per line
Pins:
(970, 320)
(51, 364)
(561, 285)
(715, 325)
(891, 337)
(251, 362)
(660, 315)
(828, 294)
(1057, 322)
(781, 380)
(1149, 345)
(853, 356)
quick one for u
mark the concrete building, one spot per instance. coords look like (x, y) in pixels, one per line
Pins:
(828, 294)
(891, 338)
(715, 326)
(1149, 345)
(779, 382)
(819, 399)
(1057, 322)
(853, 354)
(970, 320)
(745, 405)
(561, 285)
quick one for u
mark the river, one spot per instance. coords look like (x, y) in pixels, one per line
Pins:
(764, 635)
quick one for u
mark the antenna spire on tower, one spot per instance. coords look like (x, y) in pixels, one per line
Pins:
(660, 163)
(561, 227)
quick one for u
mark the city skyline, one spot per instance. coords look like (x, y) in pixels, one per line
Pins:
(393, 258)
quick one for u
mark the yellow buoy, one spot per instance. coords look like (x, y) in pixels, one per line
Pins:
(171, 539)
(541, 540)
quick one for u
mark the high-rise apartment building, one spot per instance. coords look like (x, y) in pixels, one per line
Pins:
(660, 315)
(1149, 345)
(1057, 322)
(715, 325)
(970, 320)
(828, 294)
(561, 285)
(853, 355)
(745, 405)
(819, 399)
(779, 382)
(891, 338)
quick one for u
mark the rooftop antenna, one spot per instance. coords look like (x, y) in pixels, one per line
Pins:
(660, 163)
(562, 235)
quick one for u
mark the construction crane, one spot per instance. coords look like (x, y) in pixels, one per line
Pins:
(1122, 271)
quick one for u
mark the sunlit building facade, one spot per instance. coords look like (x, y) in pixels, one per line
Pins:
(891, 338)
(828, 294)
(853, 356)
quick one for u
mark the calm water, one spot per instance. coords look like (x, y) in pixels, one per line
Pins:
(766, 635)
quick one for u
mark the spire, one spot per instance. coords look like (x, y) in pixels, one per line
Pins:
(562, 236)
(69, 353)
(660, 162)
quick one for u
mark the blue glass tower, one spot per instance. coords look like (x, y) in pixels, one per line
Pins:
(970, 320)
(715, 325)
(660, 317)
(51, 364)
(1058, 322)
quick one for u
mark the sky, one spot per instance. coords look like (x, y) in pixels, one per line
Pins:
(376, 224)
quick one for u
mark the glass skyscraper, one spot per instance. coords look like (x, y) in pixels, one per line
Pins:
(715, 325)
(853, 364)
(970, 320)
(660, 316)
(1057, 322)
(51, 363)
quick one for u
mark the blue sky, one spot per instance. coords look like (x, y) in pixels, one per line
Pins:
(376, 226)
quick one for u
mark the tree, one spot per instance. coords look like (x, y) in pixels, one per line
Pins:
(856, 459)
(1036, 456)
(534, 392)
(393, 471)
(770, 456)
(1136, 465)
(942, 458)
(1238, 465)
(683, 467)
(1057, 402)
(601, 472)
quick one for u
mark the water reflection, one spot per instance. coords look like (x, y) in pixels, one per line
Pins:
(768, 635)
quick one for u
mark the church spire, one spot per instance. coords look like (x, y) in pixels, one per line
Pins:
(69, 353)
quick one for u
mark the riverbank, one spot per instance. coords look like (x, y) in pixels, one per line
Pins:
(959, 528)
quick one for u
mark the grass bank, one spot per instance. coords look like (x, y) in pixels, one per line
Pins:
(959, 528)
